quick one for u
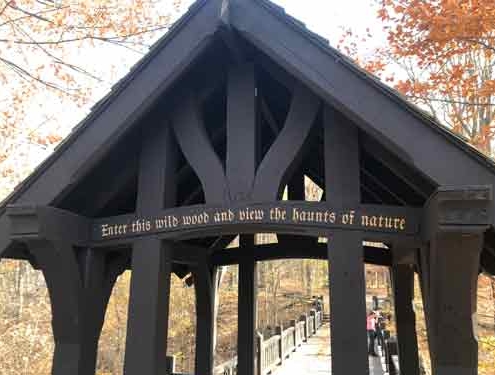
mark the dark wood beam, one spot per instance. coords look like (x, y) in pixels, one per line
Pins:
(377, 181)
(300, 218)
(204, 317)
(284, 154)
(374, 195)
(456, 220)
(274, 70)
(241, 131)
(261, 253)
(268, 116)
(345, 252)
(403, 286)
(369, 104)
(413, 179)
(197, 148)
(247, 290)
(147, 329)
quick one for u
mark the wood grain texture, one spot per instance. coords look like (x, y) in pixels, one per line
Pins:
(345, 250)
(283, 154)
(198, 150)
(241, 131)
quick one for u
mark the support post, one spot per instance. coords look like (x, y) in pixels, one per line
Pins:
(293, 323)
(146, 343)
(279, 330)
(147, 328)
(247, 286)
(261, 355)
(312, 313)
(204, 318)
(345, 249)
(304, 318)
(403, 285)
(79, 289)
(456, 219)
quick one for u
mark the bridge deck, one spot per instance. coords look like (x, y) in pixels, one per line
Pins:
(313, 358)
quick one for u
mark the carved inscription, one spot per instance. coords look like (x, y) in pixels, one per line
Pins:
(303, 215)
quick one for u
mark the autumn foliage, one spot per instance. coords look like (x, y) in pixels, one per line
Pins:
(440, 55)
(55, 57)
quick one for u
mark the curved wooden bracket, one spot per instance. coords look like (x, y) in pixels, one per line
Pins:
(198, 150)
(282, 156)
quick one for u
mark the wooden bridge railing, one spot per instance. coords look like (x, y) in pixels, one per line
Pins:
(272, 351)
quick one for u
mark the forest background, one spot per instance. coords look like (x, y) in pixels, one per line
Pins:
(439, 54)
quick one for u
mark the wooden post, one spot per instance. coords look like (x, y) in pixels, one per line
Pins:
(312, 313)
(204, 318)
(293, 323)
(246, 308)
(170, 365)
(146, 343)
(455, 222)
(304, 318)
(147, 328)
(79, 286)
(261, 354)
(279, 330)
(345, 249)
(403, 285)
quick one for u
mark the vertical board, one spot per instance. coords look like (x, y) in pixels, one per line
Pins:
(403, 284)
(452, 303)
(345, 250)
(146, 344)
(241, 131)
(204, 318)
(247, 287)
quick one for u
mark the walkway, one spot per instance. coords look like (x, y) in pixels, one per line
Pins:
(313, 357)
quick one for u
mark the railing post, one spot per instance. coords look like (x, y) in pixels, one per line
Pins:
(280, 331)
(260, 364)
(170, 364)
(304, 318)
(313, 316)
(293, 323)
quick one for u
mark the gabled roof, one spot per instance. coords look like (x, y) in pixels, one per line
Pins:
(416, 138)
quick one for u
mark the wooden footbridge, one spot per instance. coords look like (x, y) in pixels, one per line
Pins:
(314, 358)
(303, 348)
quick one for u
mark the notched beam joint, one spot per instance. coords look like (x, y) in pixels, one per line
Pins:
(463, 209)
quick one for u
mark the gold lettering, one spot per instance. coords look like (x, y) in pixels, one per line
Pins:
(105, 230)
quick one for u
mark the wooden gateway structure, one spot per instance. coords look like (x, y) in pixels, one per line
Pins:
(197, 144)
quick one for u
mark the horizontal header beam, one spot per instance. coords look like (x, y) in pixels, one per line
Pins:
(385, 223)
(288, 217)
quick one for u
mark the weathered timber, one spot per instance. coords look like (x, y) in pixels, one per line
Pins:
(197, 148)
(403, 287)
(455, 222)
(241, 131)
(247, 290)
(277, 164)
(345, 251)
(290, 217)
(294, 250)
(373, 108)
(147, 329)
(203, 287)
